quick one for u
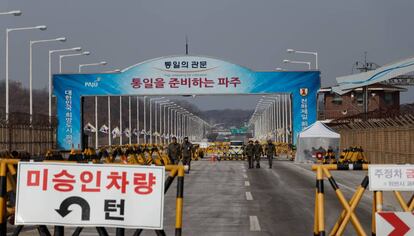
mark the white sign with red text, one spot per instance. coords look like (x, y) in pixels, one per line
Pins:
(394, 223)
(85, 195)
(391, 177)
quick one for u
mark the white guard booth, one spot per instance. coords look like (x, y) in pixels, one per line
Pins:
(316, 138)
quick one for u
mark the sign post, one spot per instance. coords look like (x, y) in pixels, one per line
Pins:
(184, 75)
(394, 223)
(90, 195)
(392, 178)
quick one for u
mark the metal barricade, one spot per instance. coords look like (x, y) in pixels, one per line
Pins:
(8, 189)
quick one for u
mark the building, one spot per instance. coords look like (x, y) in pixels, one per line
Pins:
(380, 97)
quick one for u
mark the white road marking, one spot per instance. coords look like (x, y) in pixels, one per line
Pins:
(249, 196)
(274, 173)
(245, 176)
(254, 224)
(246, 183)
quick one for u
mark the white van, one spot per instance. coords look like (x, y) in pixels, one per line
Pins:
(236, 149)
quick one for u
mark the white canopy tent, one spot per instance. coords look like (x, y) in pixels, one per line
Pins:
(316, 138)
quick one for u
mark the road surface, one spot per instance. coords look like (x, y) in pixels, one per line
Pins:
(227, 198)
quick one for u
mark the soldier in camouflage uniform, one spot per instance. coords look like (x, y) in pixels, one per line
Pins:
(187, 152)
(270, 151)
(249, 152)
(174, 151)
(258, 151)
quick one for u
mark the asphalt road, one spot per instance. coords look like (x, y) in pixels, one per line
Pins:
(226, 198)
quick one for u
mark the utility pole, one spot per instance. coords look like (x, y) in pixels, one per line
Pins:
(365, 66)
(186, 45)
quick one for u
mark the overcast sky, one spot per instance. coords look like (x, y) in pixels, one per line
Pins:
(254, 34)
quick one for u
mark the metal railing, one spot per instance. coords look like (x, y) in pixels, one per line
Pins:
(18, 133)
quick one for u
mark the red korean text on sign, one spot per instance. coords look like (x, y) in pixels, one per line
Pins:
(174, 83)
(202, 82)
(114, 177)
(208, 83)
(63, 181)
(186, 82)
(87, 177)
(410, 173)
(159, 83)
(235, 81)
(148, 83)
(196, 82)
(142, 184)
(35, 178)
(225, 81)
(136, 83)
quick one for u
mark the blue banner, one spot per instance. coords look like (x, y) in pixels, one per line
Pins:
(181, 75)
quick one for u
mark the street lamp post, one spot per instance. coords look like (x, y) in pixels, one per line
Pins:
(170, 121)
(158, 128)
(138, 131)
(14, 13)
(50, 74)
(145, 121)
(298, 62)
(109, 122)
(102, 63)
(61, 39)
(113, 71)
(175, 123)
(150, 107)
(284, 122)
(163, 123)
(86, 53)
(96, 124)
(306, 52)
(40, 27)
(182, 118)
(275, 113)
(129, 120)
(120, 119)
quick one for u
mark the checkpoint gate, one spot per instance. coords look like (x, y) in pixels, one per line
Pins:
(181, 75)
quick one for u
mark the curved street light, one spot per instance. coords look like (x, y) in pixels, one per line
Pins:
(33, 42)
(50, 74)
(305, 52)
(102, 63)
(298, 62)
(8, 30)
(14, 13)
(85, 53)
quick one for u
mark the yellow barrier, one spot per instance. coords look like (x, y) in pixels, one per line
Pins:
(7, 184)
(349, 207)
